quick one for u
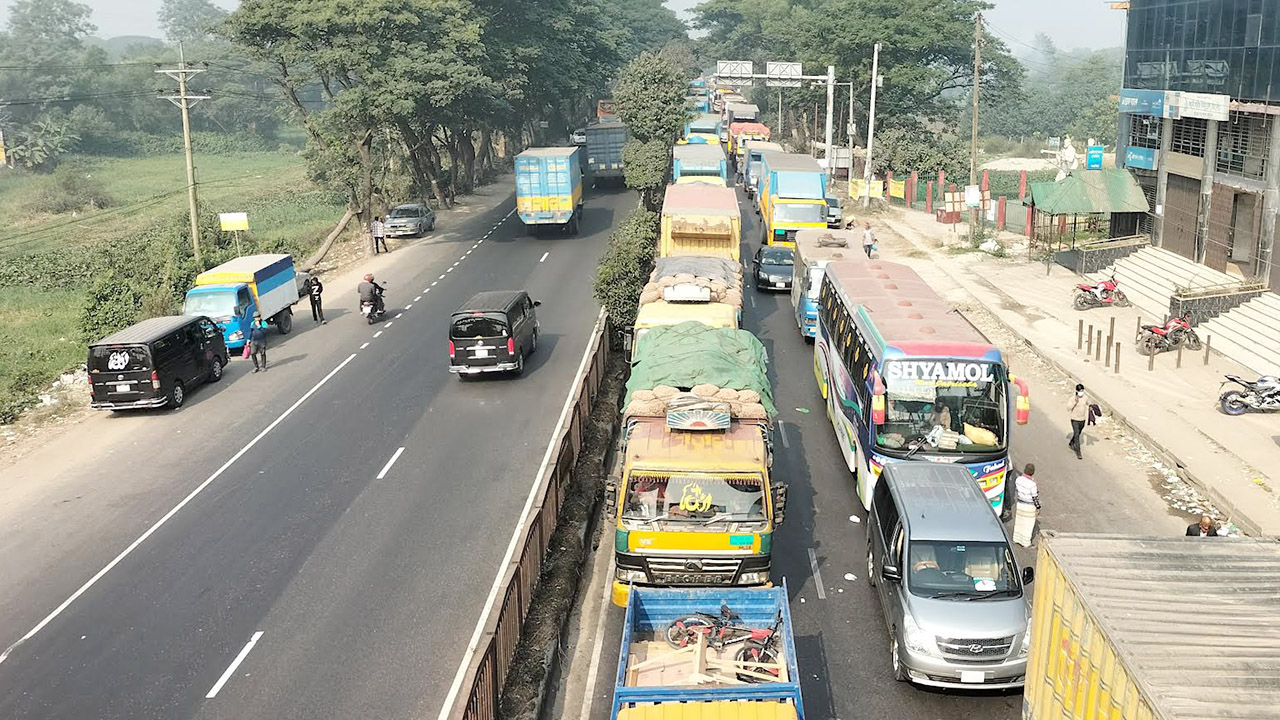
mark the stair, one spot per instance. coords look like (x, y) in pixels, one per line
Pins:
(1249, 334)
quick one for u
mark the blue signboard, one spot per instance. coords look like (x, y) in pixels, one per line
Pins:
(1093, 157)
(1143, 158)
(1142, 102)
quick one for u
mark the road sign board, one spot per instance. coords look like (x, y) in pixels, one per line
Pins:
(783, 74)
(734, 69)
(1093, 157)
(233, 221)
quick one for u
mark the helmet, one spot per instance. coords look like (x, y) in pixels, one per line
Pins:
(368, 277)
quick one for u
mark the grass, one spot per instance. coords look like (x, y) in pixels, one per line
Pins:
(38, 341)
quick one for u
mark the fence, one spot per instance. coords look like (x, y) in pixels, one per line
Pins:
(1010, 194)
(490, 656)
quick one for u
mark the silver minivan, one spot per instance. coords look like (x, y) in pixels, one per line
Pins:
(948, 583)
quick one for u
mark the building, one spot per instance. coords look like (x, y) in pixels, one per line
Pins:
(1199, 127)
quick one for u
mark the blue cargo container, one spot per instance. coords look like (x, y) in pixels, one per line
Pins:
(549, 187)
(604, 149)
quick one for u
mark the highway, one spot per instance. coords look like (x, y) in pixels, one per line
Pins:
(841, 638)
(313, 542)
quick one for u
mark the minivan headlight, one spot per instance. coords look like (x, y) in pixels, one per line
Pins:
(1026, 642)
(917, 639)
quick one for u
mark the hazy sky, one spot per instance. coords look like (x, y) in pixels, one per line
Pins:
(1071, 23)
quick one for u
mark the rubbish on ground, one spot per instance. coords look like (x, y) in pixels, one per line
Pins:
(850, 577)
(855, 519)
(802, 410)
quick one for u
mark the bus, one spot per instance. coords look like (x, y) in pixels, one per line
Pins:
(814, 250)
(905, 377)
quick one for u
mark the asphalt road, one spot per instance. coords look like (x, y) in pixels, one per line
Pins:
(358, 580)
(841, 638)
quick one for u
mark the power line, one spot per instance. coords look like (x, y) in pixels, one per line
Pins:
(93, 66)
(54, 99)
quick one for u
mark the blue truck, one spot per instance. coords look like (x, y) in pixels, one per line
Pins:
(699, 163)
(660, 678)
(233, 292)
(549, 188)
(605, 141)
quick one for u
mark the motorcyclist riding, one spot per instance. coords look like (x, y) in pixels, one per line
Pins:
(371, 291)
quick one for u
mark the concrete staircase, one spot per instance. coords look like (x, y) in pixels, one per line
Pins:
(1249, 334)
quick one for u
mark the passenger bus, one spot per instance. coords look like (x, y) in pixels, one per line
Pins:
(814, 250)
(907, 378)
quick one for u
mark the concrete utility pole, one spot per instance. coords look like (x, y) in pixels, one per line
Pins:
(973, 142)
(779, 113)
(871, 126)
(184, 102)
(831, 106)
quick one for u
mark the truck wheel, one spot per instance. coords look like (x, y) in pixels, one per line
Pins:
(284, 321)
(573, 225)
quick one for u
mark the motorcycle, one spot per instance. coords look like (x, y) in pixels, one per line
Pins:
(1262, 394)
(373, 310)
(1152, 339)
(1087, 295)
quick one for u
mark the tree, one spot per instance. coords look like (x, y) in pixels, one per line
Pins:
(647, 25)
(188, 20)
(902, 151)
(624, 269)
(650, 95)
(648, 166)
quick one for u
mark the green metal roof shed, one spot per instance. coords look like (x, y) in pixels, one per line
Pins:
(1090, 191)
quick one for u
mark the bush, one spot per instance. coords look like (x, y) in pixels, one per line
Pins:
(112, 303)
(73, 189)
(625, 268)
(132, 143)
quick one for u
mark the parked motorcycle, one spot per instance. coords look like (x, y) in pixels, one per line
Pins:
(1087, 295)
(1152, 339)
(1262, 394)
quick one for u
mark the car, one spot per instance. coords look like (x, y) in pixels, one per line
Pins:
(578, 137)
(493, 331)
(835, 216)
(772, 267)
(155, 363)
(410, 220)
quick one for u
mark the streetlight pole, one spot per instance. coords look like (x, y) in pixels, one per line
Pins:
(831, 104)
(871, 126)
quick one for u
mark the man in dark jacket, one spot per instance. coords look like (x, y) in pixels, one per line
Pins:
(1204, 528)
(258, 343)
(314, 290)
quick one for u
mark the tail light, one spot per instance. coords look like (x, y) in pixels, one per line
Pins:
(1022, 406)
(451, 349)
(511, 346)
(877, 401)
(155, 380)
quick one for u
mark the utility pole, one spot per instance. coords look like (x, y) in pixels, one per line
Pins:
(831, 103)
(184, 102)
(849, 131)
(973, 142)
(871, 125)
(779, 113)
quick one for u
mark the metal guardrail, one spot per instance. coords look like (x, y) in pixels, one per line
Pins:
(1227, 288)
(490, 657)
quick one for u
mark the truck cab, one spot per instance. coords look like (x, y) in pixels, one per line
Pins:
(231, 306)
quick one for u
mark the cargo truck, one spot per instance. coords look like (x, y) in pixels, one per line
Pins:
(699, 164)
(549, 188)
(682, 289)
(692, 497)
(233, 292)
(757, 679)
(702, 130)
(605, 141)
(754, 153)
(793, 196)
(740, 112)
(739, 134)
(700, 220)
(1154, 628)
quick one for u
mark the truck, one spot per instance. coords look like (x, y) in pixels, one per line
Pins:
(606, 110)
(739, 133)
(757, 679)
(549, 188)
(699, 164)
(681, 289)
(754, 153)
(1154, 628)
(691, 496)
(740, 111)
(700, 220)
(233, 292)
(605, 140)
(793, 196)
(702, 129)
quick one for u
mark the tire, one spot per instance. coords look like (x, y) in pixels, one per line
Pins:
(519, 364)
(1122, 300)
(532, 230)
(534, 344)
(756, 653)
(1149, 345)
(431, 226)
(679, 635)
(371, 318)
(895, 659)
(1006, 507)
(1081, 302)
(1192, 340)
(177, 395)
(215, 372)
(284, 321)
(871, 567)
(1232, 403)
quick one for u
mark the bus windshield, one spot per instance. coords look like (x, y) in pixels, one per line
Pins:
(694, 499)
(799, 213)
(943, 407)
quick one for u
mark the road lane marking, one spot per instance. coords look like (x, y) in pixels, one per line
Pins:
(474, 644)
(473, 247)
(544, 256)
(174, 511)
(408, 307)
(419, 297)
(752, 298)
(398, 316)
(466, 253)
(438, 279)
(390, 323)
(449, 270)
(782, 432)
(364, 346)
(377, 333)
(454, 265)
(817, 575)
(392, 461)
(244, 652)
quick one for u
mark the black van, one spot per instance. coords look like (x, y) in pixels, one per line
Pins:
(493, 332)
(155, 362)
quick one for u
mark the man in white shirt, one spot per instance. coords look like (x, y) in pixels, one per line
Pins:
(868, 239)
(1028, 506)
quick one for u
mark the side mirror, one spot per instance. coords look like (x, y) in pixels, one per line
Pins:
(537, 303)
(891, 573)
(779, 503)
(610, 497)
(1028, 575)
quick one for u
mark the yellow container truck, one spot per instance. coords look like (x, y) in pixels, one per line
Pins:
(701, 220)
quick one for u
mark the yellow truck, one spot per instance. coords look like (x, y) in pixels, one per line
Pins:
(692, 498)
(793, 191)
(701, 220)
(661, 313)
(1163, 628)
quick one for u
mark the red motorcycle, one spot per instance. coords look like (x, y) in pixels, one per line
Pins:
(1101, 294)
(1154, 339)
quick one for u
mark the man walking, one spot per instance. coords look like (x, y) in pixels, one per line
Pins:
(1204, 528)
(258, 343)
(1078, 407)
(868, 239)
(1028, 509)
(315, 289)
(379, 233)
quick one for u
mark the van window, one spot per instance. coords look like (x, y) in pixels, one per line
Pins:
(964, 570)
(169, 347)
(885, 509)
(477, 326)
(242, 302)
(209, 329)
(119, 359)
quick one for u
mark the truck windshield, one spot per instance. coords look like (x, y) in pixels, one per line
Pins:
(210, 304)
(943, 406)
(784, 213)
(961, 571)
(701, 499)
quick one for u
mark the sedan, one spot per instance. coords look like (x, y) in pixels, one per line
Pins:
(772, 267)
(410, 220)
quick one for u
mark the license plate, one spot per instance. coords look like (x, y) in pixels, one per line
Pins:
(972, 676)
(480, 352)
(778, 285)
(124, 387)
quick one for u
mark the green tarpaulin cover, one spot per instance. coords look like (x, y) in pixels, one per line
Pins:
(1090, 191)
(691, 353)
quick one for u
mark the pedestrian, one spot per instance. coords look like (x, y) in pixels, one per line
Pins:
(1078, 407)
(315, 289)
(868, 239)
(258, 343)
(1204, 528)
(1028, 508)
(379, 233)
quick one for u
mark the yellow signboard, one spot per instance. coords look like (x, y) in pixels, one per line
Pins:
(898, 188)
(234, 221)
(858, 188)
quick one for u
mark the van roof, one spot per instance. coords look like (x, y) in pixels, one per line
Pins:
(490, 300)
(941, 502)
(148, 330)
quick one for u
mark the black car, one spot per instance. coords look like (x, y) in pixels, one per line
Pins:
(493, 332)
(155, 362)
(772, 267)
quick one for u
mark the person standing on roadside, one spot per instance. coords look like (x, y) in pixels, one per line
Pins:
(868, 239)
(315, 289)
(1078, 407)
(258, 343)
(1204, 528)
(1028, 509)
(379, 233)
